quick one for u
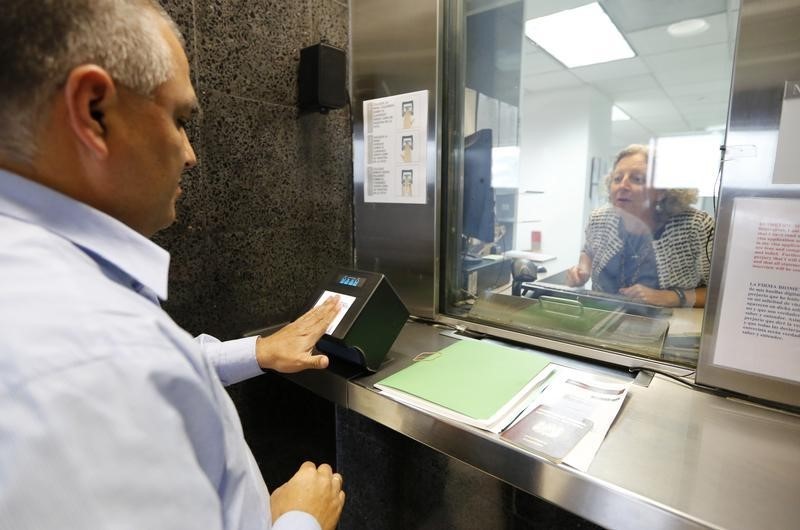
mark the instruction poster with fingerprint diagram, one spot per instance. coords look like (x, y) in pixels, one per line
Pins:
(395, 148)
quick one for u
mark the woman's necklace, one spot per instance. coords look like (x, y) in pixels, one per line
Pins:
(637, 255)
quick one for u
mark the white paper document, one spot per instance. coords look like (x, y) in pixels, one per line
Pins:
(576, 410)
(396, 148)
(759, 316)
(345, 301)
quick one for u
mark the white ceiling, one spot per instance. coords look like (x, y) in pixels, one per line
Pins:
(672, 85)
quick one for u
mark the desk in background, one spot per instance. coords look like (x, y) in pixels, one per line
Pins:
(532, 255)
(683, 338)
(488, 273)
(686, 322)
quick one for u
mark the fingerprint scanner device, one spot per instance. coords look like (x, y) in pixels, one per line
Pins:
(368, 322)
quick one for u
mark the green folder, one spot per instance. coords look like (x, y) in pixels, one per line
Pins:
(469, 377)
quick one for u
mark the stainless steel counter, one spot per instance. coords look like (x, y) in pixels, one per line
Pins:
(674, 457)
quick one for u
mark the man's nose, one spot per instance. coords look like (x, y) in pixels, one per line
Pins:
(191, 158)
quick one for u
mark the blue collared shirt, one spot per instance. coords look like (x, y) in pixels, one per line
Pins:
(111, 416)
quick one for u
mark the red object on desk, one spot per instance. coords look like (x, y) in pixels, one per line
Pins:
(536, 240)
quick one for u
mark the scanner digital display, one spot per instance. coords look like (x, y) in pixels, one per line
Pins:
(351, 281)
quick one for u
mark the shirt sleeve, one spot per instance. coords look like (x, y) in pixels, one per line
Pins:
(233, 360)
(707, 233)
(296, 520)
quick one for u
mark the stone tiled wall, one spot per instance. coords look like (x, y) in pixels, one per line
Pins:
(268, 210)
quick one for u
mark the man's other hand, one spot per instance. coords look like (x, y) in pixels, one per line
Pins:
(314, 490)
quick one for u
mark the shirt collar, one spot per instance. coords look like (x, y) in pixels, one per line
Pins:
(95, 232)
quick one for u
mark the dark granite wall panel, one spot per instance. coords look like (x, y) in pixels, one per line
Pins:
(330, 20)
(260, 38)
(268, 209)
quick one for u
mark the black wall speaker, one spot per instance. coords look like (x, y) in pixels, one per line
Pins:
(322, 78)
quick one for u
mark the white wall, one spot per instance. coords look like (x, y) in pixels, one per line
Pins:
(560, 131)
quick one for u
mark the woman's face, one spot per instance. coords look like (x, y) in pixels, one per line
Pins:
(628, 190)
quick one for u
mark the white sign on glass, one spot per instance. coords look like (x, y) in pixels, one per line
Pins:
(787, 155)
(759, 318)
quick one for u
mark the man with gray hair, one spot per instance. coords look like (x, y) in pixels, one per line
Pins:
(112, 416)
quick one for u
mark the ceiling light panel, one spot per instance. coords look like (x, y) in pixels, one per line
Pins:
(617, 114)
(579, 37)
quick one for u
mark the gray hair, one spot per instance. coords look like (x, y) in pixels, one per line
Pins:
(41, 41)
(633, 149)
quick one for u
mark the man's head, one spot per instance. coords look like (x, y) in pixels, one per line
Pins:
(93, 99)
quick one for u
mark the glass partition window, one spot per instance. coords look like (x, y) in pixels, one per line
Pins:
(584, 186)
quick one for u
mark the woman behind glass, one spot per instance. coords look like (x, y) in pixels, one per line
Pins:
(648, 244)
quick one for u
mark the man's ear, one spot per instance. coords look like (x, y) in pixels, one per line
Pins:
(89, 93)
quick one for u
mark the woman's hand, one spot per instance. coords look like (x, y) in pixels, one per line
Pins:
(647, 295)
(577, 276)
(580, 273)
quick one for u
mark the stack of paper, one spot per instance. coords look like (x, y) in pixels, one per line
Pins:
(483, 385)
(569, 420)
